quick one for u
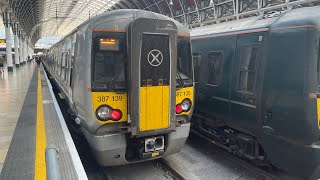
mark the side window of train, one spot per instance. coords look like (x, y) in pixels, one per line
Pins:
(214, 68)
(248, 68)
(196, 64)
(73, 52)
(59, 64)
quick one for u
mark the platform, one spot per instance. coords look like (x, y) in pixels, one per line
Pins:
(30, 120)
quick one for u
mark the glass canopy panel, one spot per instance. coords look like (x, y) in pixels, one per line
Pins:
(62, 16)
(41, 18)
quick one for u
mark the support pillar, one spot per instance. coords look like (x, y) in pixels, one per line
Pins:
(16, 44)
(31, 52)
(28, 50)
(20, 47)
(6, 21)
(25, 49)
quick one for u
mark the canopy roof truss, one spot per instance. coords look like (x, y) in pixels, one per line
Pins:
(41, 18)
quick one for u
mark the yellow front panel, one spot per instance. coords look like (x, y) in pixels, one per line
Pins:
(183, 93)
(318, 107)
(154, 107)
(114, 100)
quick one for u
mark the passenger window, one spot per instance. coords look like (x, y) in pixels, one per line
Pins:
(196, 64)
(214, 70)
(59, 64)
(247, 74)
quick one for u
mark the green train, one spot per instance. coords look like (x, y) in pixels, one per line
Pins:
(257, 88)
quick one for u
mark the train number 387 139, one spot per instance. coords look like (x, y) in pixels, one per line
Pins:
(107, 98)
(183, 93)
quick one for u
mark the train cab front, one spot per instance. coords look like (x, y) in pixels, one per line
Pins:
(142, 92)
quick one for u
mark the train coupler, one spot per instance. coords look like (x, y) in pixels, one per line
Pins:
(148, 155)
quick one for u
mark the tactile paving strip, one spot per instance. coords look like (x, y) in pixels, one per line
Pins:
(55, 134)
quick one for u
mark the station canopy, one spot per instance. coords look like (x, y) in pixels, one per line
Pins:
(43, 18)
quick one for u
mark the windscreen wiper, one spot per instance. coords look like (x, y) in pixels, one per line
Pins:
(181, 83)
(113, 86)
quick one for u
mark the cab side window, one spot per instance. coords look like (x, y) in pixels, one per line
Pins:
(248, 64)
(214, 68)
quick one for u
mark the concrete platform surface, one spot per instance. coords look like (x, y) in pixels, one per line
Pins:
(13, 88)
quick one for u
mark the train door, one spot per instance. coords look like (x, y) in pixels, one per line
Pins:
(215, 76)
(196, 58)
(153, 68)
(73, 56)
(244, 93)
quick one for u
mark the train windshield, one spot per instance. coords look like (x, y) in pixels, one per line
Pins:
(184, 64)
(109, 58)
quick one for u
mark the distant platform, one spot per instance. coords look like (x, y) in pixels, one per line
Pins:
(30, 120)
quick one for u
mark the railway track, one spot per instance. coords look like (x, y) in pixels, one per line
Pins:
(245, 164)
(155, 170)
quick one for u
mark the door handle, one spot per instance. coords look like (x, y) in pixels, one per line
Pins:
(268, 130)
(249, 99)
(267, 117)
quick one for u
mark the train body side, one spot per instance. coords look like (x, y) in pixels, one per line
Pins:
(279, 105)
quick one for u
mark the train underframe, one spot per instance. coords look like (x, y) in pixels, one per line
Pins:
(114, 149)
(236, 142)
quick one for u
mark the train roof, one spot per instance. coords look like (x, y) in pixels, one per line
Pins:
(295, 17)
(125, 14)
(133, 13)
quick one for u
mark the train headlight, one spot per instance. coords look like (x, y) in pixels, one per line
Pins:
(103, 113)
(186, 104)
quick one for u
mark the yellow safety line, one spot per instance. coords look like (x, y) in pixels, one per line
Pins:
(40, 164)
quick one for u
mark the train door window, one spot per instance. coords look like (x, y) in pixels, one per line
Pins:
(196, 65)
(56, 63)
(63, 65)
(72, 60)
(247, 74)
(67, 67)
(214, 68)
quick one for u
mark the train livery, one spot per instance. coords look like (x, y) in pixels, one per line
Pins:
(257, 88)
(127, 76)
